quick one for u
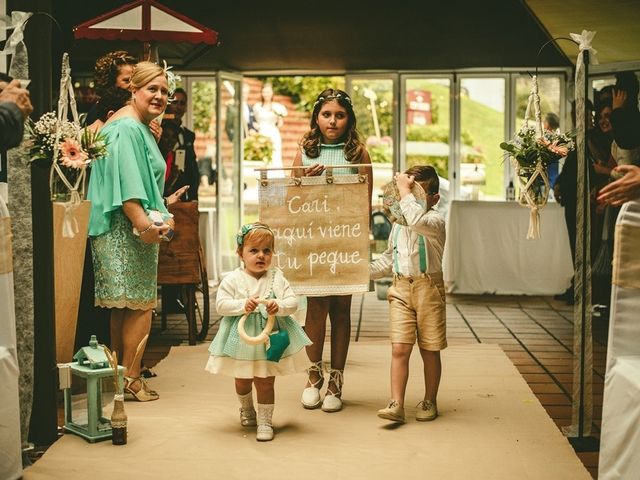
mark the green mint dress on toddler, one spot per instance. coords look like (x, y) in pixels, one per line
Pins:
(229, 354)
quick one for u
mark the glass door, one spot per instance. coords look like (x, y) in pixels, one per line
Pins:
(229, 168)
(201, 117)
(482, 170)
(426, 128)
(375, 106)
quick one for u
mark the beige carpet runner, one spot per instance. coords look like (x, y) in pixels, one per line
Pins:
(491, 426)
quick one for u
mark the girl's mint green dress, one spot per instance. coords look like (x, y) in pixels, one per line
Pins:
(229, 354)
(330, 154)
(125, 267)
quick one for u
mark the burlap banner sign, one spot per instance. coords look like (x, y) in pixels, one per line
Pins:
(322, 232)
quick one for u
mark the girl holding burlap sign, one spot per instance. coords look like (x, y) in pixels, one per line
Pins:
(331, 140)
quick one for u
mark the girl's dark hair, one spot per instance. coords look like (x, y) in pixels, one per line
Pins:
(353, 146)
(112, 99)
(107, 68)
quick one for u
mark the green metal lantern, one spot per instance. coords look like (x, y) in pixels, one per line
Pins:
(92, 365)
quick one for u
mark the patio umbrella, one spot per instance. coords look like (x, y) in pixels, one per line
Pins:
(146, 21)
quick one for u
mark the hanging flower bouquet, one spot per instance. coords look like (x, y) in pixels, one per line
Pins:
(70, 149)
(532, 154)
(531, 151)
(76, 147)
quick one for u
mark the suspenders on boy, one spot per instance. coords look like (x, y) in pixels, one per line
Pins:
(422, 251)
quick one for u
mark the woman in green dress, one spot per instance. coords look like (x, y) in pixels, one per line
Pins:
(125, 187)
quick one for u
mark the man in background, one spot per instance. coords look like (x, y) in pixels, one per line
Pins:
(185, 155)
(551, 123)
(182, 171)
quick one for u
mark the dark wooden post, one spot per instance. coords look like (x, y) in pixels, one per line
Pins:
(43, 424)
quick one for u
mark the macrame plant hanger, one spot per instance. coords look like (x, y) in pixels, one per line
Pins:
(527, 179)
(76, 188)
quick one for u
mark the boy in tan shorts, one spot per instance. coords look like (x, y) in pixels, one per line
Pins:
(416, 298)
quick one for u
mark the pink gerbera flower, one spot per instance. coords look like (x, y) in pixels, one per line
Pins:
(72, 154)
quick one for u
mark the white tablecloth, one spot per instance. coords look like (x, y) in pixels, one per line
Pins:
(487, 250)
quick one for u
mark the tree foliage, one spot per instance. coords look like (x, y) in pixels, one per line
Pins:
(304, 90)
(204, 105)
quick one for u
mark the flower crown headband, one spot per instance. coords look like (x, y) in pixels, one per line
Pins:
(337, 96)
(172, 78)
(247, 228)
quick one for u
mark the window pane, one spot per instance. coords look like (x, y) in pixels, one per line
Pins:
(549, 92)
(482, 111)
(229, 178)
(428, 128)
(373, 106)
(203, 108)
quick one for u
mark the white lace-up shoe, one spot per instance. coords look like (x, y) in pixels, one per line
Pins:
(332, 401)
(311, 395)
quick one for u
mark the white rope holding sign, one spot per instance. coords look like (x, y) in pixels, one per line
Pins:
(533, 180)
(75, 188)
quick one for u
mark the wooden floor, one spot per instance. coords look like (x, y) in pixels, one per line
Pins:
(535, 332)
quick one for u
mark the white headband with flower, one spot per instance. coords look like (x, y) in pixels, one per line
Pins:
(337, 96)
(172, 78)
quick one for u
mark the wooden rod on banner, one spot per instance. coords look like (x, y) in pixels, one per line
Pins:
(346, 165)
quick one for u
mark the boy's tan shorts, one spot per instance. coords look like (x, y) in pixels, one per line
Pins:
(417, 308)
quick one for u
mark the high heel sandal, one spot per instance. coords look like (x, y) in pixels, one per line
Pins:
(311, 395)
(332, 401)
(143, 394)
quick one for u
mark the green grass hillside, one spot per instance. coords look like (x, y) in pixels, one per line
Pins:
(486, 127)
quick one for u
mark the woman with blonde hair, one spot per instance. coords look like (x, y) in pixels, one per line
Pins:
(129, 219)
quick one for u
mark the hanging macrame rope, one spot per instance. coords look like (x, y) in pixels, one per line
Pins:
(527, 178)
(582, 399)
(75, 189)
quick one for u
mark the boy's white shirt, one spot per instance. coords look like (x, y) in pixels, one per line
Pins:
(428, 224)
(238, 286)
